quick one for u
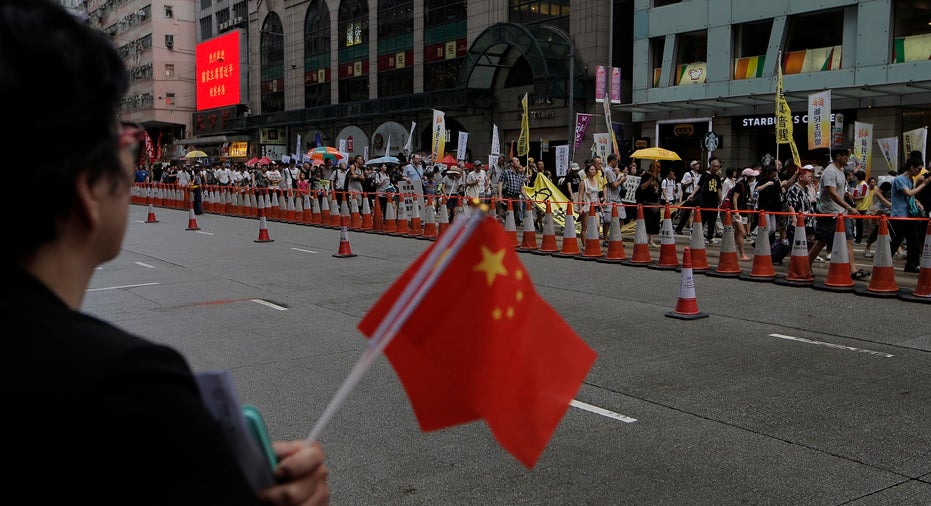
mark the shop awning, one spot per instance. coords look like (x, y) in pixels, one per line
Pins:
(213, 139)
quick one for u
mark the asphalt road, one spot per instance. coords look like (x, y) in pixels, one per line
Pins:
(782, 396)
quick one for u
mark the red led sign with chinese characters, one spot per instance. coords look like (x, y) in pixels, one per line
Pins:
(218, 71)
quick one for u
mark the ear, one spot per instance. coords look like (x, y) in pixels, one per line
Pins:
(86, 207)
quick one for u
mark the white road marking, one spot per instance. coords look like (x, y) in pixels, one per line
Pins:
(120, 287)
(142, 264)
(303, 250)
(601, 411)
(830, 345)
(269, 304)
(205, 233)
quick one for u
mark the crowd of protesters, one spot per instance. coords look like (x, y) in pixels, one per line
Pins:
(842, 187)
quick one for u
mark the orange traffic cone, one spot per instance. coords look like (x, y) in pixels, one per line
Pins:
(416, 219)
(668, 259)
(355, 217)
(429, 225)
(882, 279)
(391, 219)
(324, 209)
(529, 238)
(344, 250)
(697, 243)
(548, 240)
(838, 279)
(307, 210)
(298, 203)
(151, 218)
(273, 206)
(799, 269)
(290, 213)
(570, 245)
(510, 228)
(687, 305)
(367, 221)
(592, 241)
(922, 292)
(404, 227)
(191, 221)
(442, 221)
(615, 241)
(335, 211)
(641, 256)
(263, 224)
(727, 255)
(378, 218)
(762, 269)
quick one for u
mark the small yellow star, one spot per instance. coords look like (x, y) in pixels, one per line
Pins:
(510, 312)
(519, 274)
(492, 264)
(496, 313)
(520, 295)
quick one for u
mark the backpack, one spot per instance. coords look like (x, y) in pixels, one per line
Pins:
(726, 203)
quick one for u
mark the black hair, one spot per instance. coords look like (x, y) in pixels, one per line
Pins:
(70, 119)
(839, 151)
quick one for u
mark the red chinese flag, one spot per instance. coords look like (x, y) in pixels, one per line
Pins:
(496, 351)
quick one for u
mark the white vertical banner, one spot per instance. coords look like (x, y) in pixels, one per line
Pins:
(461, 145)
(365, 153)
(298, 150)
(819, 120)
(600, 147)
(915, 140)
(492, 161)
(342, 145)
(387, 147)
(495, 143)
(863, 144)
(407, 147)
(562, 160)
(889, 147)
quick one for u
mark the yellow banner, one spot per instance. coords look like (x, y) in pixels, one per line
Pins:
(438, 149)
(523, 142)
(543, 191)
(784, 133)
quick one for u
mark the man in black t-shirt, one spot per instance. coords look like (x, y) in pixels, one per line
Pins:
(710, 185)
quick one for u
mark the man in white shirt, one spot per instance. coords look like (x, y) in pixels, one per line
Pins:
(223, 175)
(476, 181)
(689, 184)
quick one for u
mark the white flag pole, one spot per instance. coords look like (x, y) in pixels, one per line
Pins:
(448, 245)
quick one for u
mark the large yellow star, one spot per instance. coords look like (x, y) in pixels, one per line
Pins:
(492, 264)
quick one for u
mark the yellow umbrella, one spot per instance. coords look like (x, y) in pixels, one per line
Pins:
(655, 154)
(195, 154)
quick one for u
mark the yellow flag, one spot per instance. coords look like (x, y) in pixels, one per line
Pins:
(523, 142)
(543, 191)
(784, 134)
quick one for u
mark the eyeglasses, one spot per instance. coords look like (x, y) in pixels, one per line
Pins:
(132, 136)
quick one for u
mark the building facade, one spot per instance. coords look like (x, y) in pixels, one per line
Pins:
(156, 40)
(710, 65)
(364, 71)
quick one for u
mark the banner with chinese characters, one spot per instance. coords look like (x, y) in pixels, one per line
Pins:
(819, 120)
(915, 140)
(581, 125)
(863, 144)
(438, 147)
(562, 160)
(461, 145)
(601, 77)
(615, 85)
(889, 147)
(601, 146)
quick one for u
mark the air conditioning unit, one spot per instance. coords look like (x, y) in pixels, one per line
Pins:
(224, 25)
(169, 41)
(237, 20)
